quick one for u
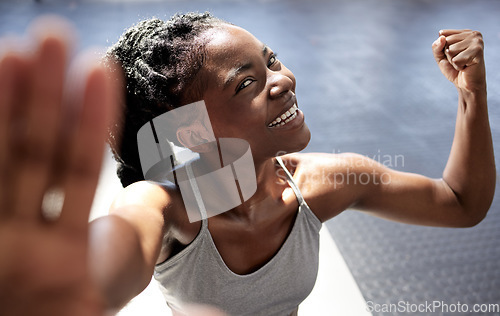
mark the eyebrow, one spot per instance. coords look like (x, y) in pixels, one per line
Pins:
(233, 73)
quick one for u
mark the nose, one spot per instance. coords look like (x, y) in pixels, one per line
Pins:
(280, 83)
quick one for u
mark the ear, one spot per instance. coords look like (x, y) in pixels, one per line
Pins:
(196, 139)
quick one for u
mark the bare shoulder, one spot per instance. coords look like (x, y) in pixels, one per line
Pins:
(312, 161)
(141, 199)
(325, 169)
(148, 204)
(146, 194)
(330, 183)
(146, 200)
(158, 213)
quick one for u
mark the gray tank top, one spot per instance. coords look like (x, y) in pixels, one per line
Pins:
(198, 274)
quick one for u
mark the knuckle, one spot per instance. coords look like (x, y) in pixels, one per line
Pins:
(478, 46)
(33, 151)
(479, 41)
(477, 38)
(477, 34)
(81, 167)
(31, 144)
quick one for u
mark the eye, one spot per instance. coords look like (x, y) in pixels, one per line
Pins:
(272, 60)
(244, 84)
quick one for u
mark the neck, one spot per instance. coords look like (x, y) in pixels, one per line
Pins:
(269, 178)
(269, 191)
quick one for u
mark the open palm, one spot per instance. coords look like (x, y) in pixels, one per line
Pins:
(49, 143)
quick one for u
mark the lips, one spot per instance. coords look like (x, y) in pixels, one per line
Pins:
(286, 117)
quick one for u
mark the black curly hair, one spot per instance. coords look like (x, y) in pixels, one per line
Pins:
(160, 61)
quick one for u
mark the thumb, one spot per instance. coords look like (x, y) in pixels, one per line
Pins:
(438, 49)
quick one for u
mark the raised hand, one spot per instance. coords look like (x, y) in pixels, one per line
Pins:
(459, 54)
(51, 140)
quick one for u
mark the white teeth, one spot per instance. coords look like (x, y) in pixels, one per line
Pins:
(286, 117)
(291, 117)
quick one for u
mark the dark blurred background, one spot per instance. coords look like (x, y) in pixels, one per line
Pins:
(368, 83)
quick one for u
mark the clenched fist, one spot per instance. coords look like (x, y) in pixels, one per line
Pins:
(459, 54)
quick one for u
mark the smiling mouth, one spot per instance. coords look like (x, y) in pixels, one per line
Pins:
(286, 117)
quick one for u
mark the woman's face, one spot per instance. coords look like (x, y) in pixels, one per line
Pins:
(251, 94)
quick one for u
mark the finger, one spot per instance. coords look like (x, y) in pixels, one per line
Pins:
(450, 53)
(10, 68)
(448, 32)
(466, 52)
(453, 51)
(86, 147)
(457, 47)
(456, 38)
(449, 58)
(465, 58)
(22, 63)
(440, 55)
(35, 144)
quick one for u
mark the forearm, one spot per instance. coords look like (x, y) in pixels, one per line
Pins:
(470, 171)
(116, 259)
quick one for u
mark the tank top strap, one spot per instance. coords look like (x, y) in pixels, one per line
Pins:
(292, 183)
(197, 195)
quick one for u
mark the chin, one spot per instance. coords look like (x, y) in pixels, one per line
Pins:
(300, 142)
(303, 141)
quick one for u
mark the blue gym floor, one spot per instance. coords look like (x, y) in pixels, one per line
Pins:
(368, 83)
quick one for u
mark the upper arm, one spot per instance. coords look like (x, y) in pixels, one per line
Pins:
(126, 243)
(335, 182)
(414, 199)
(142, 205)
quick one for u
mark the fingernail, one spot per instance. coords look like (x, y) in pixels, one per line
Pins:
(440, 32)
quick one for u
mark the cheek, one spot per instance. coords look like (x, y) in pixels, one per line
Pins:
(244, 126)
(227, 124)
(290, 75)
(241, 118)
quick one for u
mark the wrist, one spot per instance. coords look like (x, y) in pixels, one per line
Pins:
(472, 100)
(474, 95)
(473, 91)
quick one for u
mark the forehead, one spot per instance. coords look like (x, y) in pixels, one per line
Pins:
(230, 47)
(230, 37)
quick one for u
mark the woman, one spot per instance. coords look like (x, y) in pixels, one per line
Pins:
(259, 258)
